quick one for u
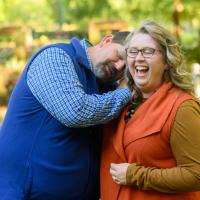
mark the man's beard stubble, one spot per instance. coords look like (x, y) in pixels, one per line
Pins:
(106, 72)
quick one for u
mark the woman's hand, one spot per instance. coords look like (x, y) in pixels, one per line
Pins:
(118, 172)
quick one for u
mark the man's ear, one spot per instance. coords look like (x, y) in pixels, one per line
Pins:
(106, 40)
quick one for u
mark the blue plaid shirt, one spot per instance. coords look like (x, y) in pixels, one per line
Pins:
(53, 81)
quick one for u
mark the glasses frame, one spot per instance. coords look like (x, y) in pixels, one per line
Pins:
(142, 52)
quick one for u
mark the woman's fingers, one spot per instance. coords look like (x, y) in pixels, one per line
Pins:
(118, 172)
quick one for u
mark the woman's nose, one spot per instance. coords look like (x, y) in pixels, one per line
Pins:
(139, 56)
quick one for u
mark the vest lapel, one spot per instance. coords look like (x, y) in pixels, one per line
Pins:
(117, 138)
(152, 114)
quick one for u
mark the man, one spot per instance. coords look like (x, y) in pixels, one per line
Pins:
(49, 149)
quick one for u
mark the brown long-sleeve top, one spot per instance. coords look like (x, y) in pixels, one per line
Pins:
(185, 145)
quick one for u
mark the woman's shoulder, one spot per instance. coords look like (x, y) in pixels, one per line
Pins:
(189, 108)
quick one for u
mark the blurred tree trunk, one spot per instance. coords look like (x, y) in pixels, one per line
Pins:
(60, 12)
(178, 8)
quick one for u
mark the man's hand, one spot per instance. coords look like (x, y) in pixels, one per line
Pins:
(122, 83)
(118, 172)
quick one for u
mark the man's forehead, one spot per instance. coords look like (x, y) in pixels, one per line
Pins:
(121, 51)
(118, 46)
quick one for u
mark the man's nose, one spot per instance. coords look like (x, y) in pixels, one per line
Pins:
(120, 65)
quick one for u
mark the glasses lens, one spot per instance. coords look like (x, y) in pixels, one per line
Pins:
(148, 52)
(132, 52)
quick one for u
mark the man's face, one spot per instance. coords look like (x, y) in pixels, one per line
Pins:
(110, 63)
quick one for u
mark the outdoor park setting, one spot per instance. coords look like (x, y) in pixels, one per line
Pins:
(27, 25)
(99, 100)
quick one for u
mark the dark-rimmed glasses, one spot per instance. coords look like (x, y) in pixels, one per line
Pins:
(146, 52)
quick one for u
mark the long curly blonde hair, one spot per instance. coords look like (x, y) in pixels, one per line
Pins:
(176, 70)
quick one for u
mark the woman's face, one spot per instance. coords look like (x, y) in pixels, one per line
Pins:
(146, 70)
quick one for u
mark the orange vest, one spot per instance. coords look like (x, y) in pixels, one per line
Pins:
(145, 139)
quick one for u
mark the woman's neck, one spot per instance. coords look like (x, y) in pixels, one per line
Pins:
(147, 95)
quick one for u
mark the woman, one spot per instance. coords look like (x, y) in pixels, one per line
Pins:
(153, 150)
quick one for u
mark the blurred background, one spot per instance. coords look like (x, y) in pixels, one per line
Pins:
(26, 25)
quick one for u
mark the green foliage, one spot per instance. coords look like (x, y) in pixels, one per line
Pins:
(36, 14)
(78, 12)
(135, 11)
(45, 15)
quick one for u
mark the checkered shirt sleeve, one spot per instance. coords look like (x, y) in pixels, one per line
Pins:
(53, 81)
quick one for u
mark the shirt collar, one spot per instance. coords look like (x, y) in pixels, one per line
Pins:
(86, 44)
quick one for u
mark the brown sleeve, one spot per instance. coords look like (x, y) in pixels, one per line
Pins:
(185, 144)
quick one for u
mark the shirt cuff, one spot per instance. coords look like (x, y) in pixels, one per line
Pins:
(124, 93)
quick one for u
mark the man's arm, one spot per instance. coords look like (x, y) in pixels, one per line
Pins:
(53, 81)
